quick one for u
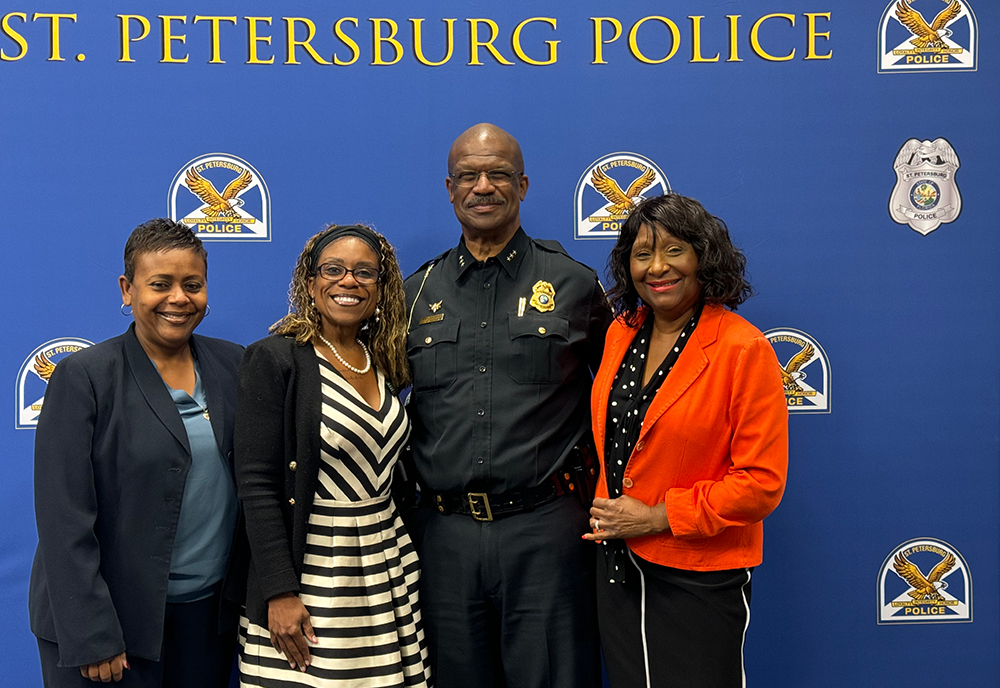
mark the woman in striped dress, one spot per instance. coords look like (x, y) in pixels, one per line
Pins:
(331, 594)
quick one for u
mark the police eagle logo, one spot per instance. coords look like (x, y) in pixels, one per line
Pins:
(924, 588)
(791, 372)
(44, 367)
(931, 36)
(218, 205)
(622, 202)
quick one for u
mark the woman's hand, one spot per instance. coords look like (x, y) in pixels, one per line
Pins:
(625, 517)
(106, 671)
(288, 622)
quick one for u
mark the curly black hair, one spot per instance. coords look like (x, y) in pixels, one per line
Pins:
(721, 266)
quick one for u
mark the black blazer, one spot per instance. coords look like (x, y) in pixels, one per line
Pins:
(111, 461)
(277, 462)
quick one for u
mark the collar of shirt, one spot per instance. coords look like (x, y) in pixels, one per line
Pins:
(509, 257)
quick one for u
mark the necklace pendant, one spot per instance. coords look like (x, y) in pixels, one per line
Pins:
(206, 416)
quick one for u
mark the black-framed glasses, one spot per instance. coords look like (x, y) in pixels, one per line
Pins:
(496, 177)
(335, 272)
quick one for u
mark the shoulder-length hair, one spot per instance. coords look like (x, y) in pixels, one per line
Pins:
(721, 266)
(384, 334)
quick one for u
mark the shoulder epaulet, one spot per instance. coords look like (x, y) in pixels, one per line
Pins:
(432, 261)
(553, 246)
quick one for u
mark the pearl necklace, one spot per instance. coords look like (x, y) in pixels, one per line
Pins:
(359, 371)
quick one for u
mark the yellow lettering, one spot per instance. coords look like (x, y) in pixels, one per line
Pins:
(675, 40)
(378, 39)
(348, 41)
(126, 33)
(167, 39)
(216, 57)
(255, 39)
(696, 42)
(599, 41)
(734, 44)
(54, 55)
(552, 44)
(476, 44)
(10, 33)
(812, 35)
(291, 42)
(418, 42)
(755, 42)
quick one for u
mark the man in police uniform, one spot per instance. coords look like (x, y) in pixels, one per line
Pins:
(504, 334)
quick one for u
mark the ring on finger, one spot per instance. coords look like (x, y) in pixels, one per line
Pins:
(597, 524)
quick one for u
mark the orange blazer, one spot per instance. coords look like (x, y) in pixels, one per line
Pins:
(713, 446)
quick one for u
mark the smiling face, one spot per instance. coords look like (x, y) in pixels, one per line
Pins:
(168, 295)
(664, 272)
(487, 208)
(345, 304)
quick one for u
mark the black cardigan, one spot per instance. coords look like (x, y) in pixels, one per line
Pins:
(277, 463)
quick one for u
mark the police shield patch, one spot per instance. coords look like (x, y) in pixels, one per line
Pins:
(222, 198)
(33, 378)
(924, 581)
(608, 191)
(805, 370)
(926, 35)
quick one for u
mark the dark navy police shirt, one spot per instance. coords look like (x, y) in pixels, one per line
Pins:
(502, 354)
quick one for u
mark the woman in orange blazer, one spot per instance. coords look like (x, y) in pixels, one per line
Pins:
(691, 427)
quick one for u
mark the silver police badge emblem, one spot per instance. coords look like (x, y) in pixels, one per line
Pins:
(926, 194)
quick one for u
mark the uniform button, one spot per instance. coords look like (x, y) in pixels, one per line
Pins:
(640, 446)
(481, 412)
(482, 324)
(291, 500)
(427, 340)
(482, 369)
(479, 460)
(486, 286)
(541, 330)
(293, 465)
(627, 482)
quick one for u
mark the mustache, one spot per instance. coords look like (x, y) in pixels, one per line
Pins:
(485, 200)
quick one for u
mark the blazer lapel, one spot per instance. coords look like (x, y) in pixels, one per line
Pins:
(689, 367)
(214, 395)
(151, 385)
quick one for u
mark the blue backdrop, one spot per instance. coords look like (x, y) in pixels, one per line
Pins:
(828, 135)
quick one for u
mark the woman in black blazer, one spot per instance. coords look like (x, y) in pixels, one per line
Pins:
(134, 494)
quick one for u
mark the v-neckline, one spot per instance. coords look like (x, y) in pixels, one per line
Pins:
(354, 391)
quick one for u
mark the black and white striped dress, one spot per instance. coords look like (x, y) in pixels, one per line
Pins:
(360, 573)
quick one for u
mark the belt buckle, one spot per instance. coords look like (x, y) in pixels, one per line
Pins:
(477, 513)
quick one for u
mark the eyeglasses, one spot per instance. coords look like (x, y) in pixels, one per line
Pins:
(335, 273)
(496, 177)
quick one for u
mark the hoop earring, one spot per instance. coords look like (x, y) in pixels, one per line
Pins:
(123, 307)
(208, 310)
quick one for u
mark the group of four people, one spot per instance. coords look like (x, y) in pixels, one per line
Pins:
(185, 487)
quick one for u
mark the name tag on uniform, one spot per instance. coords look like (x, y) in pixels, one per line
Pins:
(438, 317)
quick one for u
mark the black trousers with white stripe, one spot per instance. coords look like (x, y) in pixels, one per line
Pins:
(667, 627)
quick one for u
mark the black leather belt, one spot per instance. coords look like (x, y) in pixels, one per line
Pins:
(486, 507)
